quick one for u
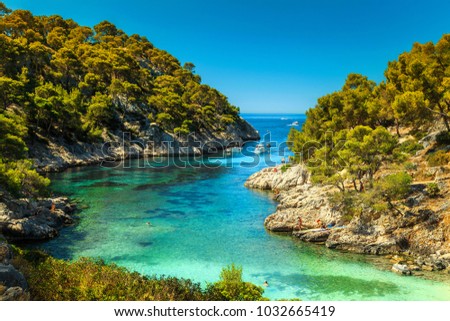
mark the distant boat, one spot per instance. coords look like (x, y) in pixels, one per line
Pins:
(284, 118)
(295, 123)
(259, 149)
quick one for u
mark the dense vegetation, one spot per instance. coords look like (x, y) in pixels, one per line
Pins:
(60, 79)
(350, 134)
(89, 279)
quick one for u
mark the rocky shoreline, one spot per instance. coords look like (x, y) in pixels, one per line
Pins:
(415, 241)
(23, 220)
(138, 139)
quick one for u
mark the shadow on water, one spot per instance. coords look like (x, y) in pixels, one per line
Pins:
(60, 247)
(318, 285)
(165, 213)
(104, 184)
(345, 285)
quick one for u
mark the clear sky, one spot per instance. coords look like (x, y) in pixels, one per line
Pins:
(269, 55)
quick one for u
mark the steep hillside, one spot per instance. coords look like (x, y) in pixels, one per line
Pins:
(71, 89)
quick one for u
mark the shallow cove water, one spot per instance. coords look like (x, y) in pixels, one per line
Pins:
(203, 219)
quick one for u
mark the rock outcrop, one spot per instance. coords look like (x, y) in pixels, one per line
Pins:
(297, 197)
(13, 286)
(420, 229)
(26, 220)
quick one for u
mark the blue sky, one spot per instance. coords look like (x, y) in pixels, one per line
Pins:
(269, 56)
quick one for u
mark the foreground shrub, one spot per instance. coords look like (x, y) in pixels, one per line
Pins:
(52, 279)
(231, 287)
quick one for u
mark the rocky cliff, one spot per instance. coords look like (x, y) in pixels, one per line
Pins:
(28, 219)
(421, 230)
(297, 197)
(138, 138)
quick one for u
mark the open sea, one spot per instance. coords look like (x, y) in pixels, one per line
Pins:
(203, 218)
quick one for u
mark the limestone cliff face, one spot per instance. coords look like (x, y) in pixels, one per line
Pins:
(137, 138)
(297, 197)
(421, 227)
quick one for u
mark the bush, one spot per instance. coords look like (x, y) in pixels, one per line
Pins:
(231, 287)
(86, 279)
(284, 168)
(410, 146)
(409, 166)
(394, 187)
(433, 190)
(348, 202)
(51, 279)
(438, 158)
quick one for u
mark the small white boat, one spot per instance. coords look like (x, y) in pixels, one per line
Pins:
(295, 123)
(259, 149)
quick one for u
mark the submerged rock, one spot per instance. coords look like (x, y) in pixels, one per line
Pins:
(401, 269)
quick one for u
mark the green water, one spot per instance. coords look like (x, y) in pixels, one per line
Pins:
(203, 219)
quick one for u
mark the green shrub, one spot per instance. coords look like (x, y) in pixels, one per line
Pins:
(231, 287)
(433, 190)
(51, 279)
(394, 187)
(438, 158)
(285, 167)
(410, 146)
(86, 279)
(348, 202)
(409, 166)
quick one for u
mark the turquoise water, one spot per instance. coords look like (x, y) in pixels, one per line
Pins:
(203, 219)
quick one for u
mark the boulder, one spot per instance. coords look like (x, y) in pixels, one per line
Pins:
(278, 178)
(10, 277)
(14, 294)
(28, 229)
(25, 219)
(401, 269)
(5, 253)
